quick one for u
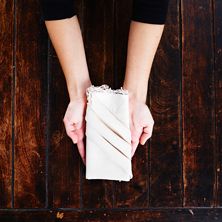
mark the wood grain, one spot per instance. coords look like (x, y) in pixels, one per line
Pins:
(30, 107)
(218, 95)
(64, 158)
(135, 192)
(165, 98)
(108, 215)
(198, 103)
(98, 40)
(181, 164)
(121, 21)
(6, 87)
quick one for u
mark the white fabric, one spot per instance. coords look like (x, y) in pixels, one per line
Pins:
(108, 137)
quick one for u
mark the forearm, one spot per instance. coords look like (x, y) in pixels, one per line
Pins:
(143, 41)
(66, 37)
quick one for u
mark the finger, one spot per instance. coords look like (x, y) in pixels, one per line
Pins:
(70, 132)
(144, 137)
(76, 126)
(146, 134)
(72, 125)
(73, 136)
(77, 135)
(80, 133)
(136, 132)
(81, 149)
(134, 147)
(82, 130)
(135, 135)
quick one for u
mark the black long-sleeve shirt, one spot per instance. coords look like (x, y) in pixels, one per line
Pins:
(147, 11)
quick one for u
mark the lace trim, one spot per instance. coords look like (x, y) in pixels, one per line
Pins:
(105, 89)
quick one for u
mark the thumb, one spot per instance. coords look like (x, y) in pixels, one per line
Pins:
(81, 149)
(73, 136)
(145, 135)
(134, 146)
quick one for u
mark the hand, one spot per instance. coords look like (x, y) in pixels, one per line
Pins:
(141, 123)
(74, 121)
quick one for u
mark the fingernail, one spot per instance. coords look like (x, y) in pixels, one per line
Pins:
(143, 142)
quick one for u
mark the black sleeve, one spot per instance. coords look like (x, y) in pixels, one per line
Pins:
(57, 9)
(150, 11)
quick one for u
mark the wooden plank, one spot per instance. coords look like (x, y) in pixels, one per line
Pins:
(30, 107)
(6, 77)
(135, 192)
(122, 15)
(94, 47)
(148, 215)
(98, 40)
(198, 103)
(218, 88)
(164, 90)
(64, 158)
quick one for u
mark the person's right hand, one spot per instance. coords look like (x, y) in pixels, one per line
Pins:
(141, 123)
(74, 121)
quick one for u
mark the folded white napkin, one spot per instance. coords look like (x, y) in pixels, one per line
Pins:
(108, 136)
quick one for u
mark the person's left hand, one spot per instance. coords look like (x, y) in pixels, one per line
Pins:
(141, 123)
(74, 121)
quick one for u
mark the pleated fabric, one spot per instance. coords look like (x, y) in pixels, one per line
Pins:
(108, 136)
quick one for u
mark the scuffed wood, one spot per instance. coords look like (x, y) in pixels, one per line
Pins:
(108, 215)
(198, 103)
(30, 107)
(135, 192)
(98, 40)
(186, 105)
(64, 158)
(6, 76)
(218, 102)
(122, 15)
(165, 144)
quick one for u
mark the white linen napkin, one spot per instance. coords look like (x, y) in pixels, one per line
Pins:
(108, 136)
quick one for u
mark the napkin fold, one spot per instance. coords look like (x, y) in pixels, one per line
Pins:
(108, 136)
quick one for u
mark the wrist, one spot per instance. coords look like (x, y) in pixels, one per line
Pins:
(77, 98)
(136, 95)
(78, 92)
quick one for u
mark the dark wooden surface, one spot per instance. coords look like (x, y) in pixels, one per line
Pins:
(99, 47)
(135, 193)
(30, 106)
(6, 87)
(113, 215)
(177, 173)
(165, 103)
(198, 104)
(218, 97)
